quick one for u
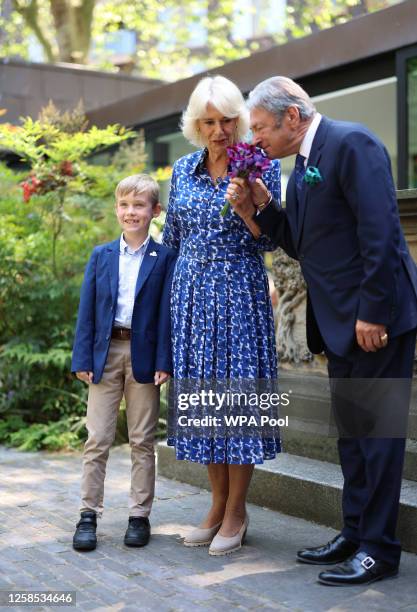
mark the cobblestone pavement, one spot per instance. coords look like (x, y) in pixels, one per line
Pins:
(38, 510)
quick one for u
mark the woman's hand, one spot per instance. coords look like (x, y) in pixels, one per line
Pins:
(238, 193)
(86, 377)
(242, 197)
(161, 377)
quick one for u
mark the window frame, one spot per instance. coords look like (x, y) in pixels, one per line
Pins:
(403, 150)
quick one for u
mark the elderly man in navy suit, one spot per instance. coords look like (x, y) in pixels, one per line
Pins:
(341, 223)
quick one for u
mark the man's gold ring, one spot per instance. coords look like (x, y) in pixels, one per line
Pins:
(384, 338)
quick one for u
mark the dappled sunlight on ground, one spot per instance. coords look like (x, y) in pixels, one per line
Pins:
(39, 508)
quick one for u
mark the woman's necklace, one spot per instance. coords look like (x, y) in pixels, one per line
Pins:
(217, 177)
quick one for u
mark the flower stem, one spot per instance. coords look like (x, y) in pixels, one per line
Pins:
(225, 209)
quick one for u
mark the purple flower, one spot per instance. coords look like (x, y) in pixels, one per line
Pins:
(245, 161)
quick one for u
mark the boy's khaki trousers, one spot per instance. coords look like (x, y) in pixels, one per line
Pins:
(142, 409)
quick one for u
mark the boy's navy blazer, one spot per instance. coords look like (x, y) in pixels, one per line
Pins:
(345, 231)
(151, 322)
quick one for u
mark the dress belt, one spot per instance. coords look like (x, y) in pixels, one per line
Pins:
(225, 259)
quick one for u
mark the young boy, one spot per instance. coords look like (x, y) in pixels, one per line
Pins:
(123, 347)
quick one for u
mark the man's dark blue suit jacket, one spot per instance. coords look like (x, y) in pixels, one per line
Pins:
(151, 321)
(345, 232)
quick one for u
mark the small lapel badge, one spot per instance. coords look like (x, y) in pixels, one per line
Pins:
(153, 254)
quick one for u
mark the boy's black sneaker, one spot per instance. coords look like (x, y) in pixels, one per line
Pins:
(85, 535)
(138, 531)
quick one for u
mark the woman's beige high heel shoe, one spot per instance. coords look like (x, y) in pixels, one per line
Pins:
(222, 545)
(201, 536)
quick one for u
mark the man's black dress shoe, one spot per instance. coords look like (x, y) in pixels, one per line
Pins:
(138, 531)
(359, 569)
(85, 535)
(337, 550)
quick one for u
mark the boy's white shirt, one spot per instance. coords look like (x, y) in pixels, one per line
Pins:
(130, 262)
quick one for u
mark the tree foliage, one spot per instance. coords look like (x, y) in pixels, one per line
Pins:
(45, 241)
(308, 16)
(173, 39)
(58, 170)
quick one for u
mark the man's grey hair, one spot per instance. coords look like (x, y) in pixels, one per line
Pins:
(277, 94)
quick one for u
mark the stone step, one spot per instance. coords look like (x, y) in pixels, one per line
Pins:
(299, 486)
(322, 448)
(308, 434)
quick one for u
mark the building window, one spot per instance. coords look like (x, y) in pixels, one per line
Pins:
(412, 121)
(407, 117)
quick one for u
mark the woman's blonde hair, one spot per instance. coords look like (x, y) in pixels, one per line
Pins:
(225, 96)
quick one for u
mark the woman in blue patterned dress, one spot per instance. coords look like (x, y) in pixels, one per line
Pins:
(222, 317)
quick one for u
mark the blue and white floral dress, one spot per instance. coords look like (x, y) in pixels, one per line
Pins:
(222, 320)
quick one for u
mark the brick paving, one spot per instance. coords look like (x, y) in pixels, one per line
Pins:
(39, 507)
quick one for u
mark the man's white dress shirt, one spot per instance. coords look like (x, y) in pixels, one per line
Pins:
(305, 147)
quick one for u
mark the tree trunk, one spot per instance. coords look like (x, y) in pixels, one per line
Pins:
(81, 17)
(30, 14)
(72, 24)
(73, 29)
(61, 16)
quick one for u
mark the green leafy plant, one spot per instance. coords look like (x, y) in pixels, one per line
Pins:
(54, 156)
(68, 433)
(45, 241)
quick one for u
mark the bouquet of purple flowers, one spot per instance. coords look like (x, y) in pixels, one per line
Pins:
(245, 161)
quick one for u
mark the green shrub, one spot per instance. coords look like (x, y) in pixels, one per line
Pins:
(68, 433)
(47, 231)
